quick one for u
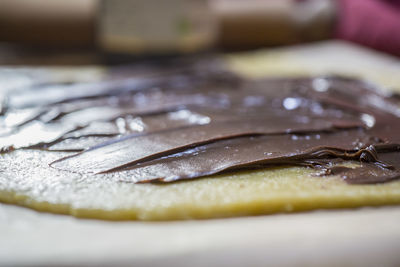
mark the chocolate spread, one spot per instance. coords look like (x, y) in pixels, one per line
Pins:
(184, 121)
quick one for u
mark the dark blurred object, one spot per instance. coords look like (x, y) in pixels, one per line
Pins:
(48, 22)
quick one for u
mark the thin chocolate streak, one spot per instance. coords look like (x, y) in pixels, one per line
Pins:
(192, 122)
(245, 153)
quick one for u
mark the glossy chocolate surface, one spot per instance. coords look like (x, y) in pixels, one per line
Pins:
(188, 120)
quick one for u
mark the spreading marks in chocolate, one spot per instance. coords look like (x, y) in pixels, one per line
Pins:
(193, 119)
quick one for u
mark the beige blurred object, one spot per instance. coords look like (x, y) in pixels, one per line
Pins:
(171, 26)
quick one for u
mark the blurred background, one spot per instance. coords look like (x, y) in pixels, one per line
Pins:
(116, 31)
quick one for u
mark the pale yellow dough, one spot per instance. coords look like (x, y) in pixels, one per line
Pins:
(284, 189)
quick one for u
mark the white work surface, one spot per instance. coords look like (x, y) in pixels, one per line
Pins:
(359, 237)
(363, 237)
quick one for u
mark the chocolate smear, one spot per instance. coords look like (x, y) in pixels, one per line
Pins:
(194, 119)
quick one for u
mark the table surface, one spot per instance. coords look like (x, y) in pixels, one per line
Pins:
(356, 237)
(362, 237)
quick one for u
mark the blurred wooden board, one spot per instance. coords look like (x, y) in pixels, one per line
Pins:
(345, 237)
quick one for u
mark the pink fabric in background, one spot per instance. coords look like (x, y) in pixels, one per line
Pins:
(373, 23)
